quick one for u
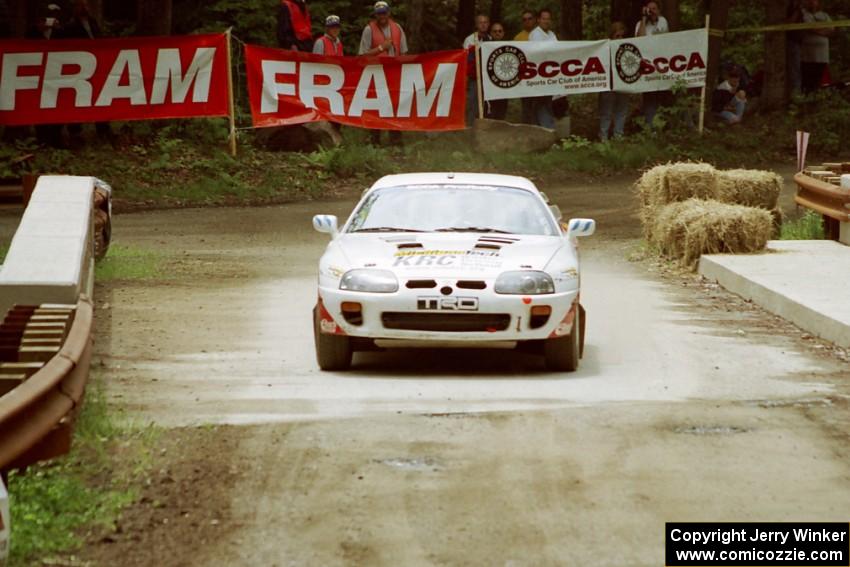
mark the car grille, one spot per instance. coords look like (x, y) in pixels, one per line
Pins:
(447, 322)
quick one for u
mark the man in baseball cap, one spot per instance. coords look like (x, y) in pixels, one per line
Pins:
(383, 36)
(330, 43)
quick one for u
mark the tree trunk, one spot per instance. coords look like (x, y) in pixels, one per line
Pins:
(19, 16)
(671, 12)
(628, 12)
(719, 12)
(413, 25)
(154, 17)
(496, 11)
(465, 19)
(571, 15)
(774, 92)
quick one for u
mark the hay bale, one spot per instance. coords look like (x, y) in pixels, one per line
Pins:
(749, 187)
(686, 230)
(673, 183)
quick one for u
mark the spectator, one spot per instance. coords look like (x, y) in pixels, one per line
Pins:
(793, 48)
(814, 54)
(83, 26)
(542, 105)
(294, 29)
(481, 34)
(651, 23)
(729, 100)
(329, 43)
(383, 37)
(45, 27)
(497, 109)
(529, 22)
(612, 104)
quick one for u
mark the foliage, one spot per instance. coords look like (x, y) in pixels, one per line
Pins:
(809, 226)
(128, 263)
(53, 503)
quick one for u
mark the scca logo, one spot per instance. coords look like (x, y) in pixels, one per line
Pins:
(569, 68)
(631, 65)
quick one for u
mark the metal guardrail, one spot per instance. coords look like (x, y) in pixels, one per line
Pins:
(830, 200)
(36, 418)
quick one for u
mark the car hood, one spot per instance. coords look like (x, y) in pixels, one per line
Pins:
(449, 254)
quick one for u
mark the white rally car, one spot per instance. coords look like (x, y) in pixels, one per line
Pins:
(451, 260)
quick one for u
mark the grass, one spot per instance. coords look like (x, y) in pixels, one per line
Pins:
(129, 263)
(809, 226)
(54, 505)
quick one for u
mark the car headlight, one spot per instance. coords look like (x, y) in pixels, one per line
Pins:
(525, 283)
(372, 281)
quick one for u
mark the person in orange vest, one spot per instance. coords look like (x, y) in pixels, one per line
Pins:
(383, 37)
(294, 30)
(330, 44)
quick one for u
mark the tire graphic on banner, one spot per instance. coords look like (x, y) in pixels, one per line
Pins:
(503, 66)
(627, 61)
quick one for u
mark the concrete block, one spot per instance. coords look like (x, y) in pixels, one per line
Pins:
(804, 281)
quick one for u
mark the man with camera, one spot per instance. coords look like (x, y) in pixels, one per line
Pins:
(651, 21)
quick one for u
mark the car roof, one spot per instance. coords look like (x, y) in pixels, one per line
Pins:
(446, 178)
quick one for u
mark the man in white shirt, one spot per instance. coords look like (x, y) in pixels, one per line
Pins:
(542, 105)
(814, 51)
(651, 21)
(480, 35)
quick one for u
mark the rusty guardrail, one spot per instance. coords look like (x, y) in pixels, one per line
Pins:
(36, 418)
(830, 200)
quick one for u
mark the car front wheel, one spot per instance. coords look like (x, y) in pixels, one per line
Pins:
(333, 352)
(563, 354)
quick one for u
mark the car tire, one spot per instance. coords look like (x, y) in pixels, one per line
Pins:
(563, 354)
(333, 352)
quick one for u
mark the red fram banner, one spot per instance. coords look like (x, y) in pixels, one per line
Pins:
(61, 81)
(413, 92)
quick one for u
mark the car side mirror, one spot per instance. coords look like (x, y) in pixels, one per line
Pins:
(581, 227)
(326, 223)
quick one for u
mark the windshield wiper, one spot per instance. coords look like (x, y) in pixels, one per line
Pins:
(386, 229)
(472, 229)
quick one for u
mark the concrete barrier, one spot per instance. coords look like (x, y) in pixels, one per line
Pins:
(51, 257)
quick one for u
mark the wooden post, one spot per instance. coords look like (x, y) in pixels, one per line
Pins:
(705, 86)
(479, 90)
(231, 103)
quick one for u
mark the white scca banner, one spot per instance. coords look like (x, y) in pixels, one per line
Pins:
(657, 62)
(4, 524)
(546, 68)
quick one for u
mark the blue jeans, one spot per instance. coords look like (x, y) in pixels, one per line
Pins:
(543, 113)
(614, 105)
(792, 57)
(651, 102)
(731, 117)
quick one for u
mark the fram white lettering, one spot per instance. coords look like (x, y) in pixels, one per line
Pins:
(309, 91)
(55, 78)
(11, 82)
(169, 70)
(271, 88)
(380, 102)
(413, 83)
(127, 60)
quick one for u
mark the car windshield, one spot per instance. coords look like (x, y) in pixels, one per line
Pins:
(453, 208)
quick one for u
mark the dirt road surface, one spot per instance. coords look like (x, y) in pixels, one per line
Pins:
(690, 405)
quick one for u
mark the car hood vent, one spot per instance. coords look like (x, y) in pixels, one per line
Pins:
(494, 242)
